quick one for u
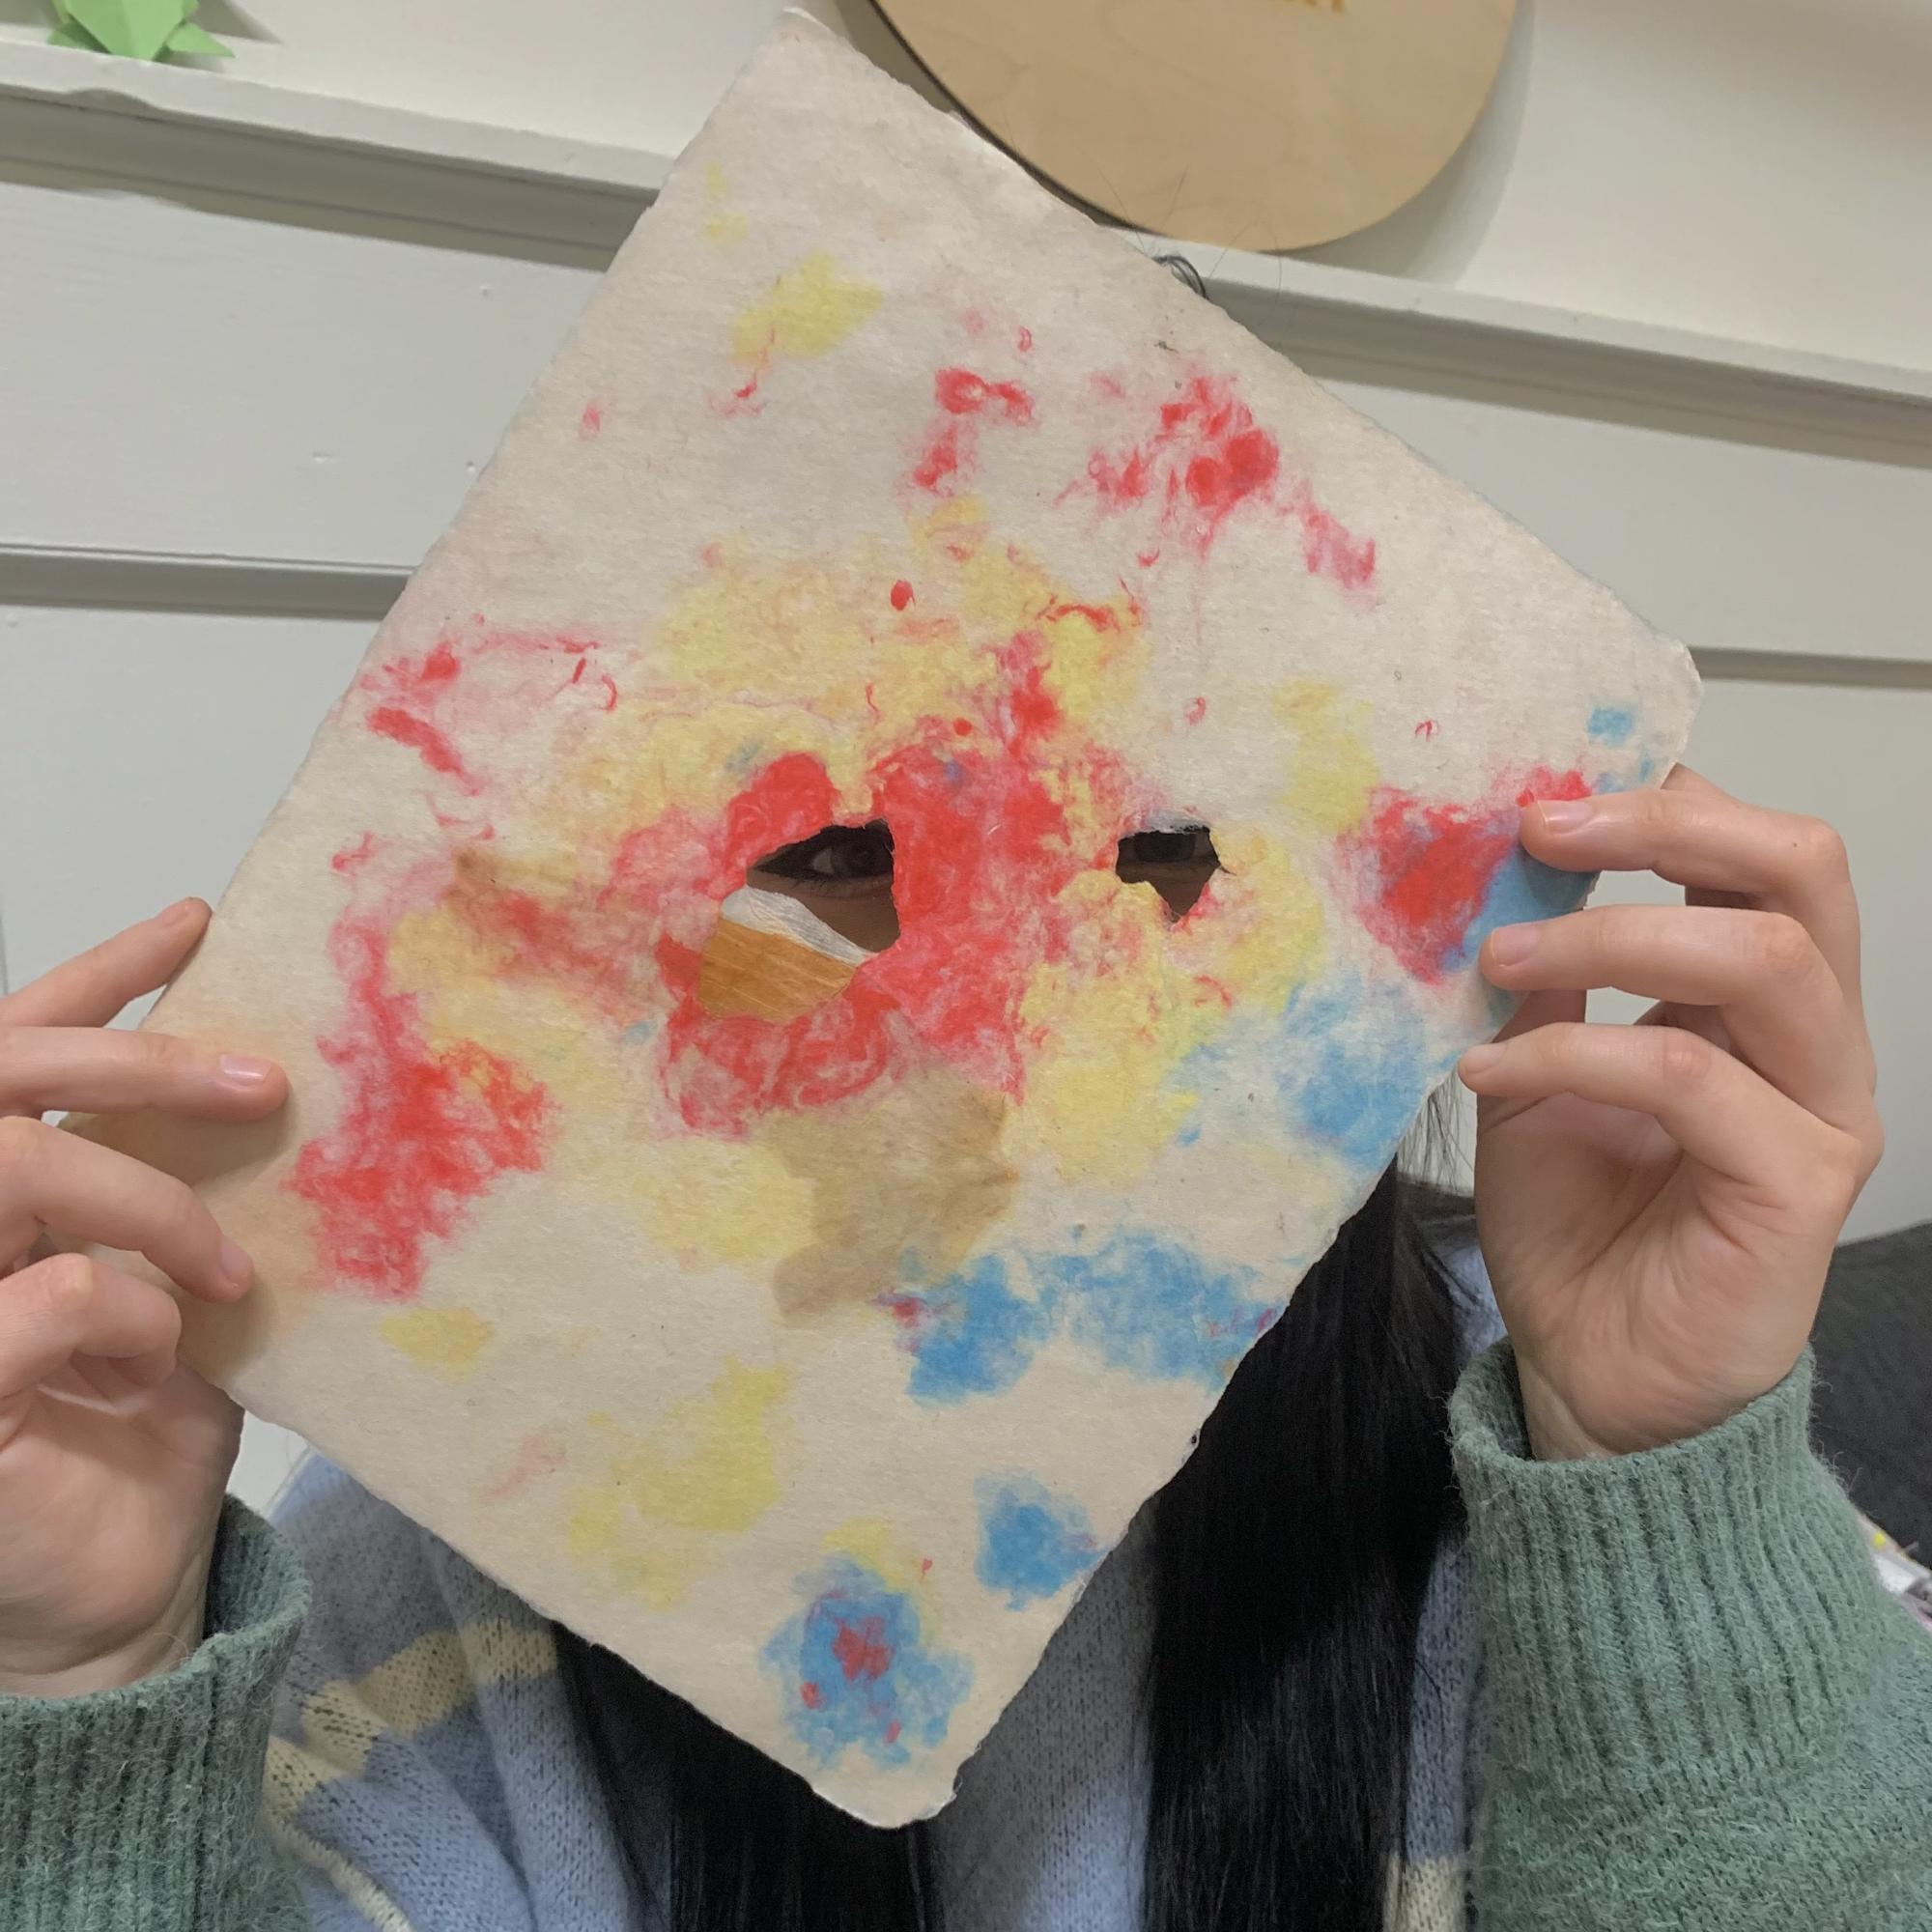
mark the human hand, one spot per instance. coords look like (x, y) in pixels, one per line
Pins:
(113, 1456)
(1658, 1203)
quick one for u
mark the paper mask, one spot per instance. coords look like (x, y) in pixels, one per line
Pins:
(804, 1322)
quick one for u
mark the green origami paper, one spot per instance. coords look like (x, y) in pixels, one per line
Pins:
(188, 39)
(136, 29)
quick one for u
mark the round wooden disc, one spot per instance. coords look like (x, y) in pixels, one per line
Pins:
(1261, 123)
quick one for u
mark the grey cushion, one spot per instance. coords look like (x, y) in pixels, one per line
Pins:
(1874, 1404)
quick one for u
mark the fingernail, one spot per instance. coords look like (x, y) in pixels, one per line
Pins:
(236, 1268)
(1511, 945)
(181, 912)
(1480, 1059)
(244, 1069)
(1566, 814)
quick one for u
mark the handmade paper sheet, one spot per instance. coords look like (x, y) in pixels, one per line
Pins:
(802, 1321)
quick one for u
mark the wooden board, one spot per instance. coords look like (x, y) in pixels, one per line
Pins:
(1261, 123)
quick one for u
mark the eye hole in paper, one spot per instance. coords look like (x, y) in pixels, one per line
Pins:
(808, 917)
(1176, 860)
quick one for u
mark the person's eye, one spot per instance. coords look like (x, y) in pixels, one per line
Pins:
(1187, 845)
(843, 859)
(1177, 862)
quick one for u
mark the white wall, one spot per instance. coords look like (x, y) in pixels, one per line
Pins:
(1755, 168)
(144, 749)
(247, 408)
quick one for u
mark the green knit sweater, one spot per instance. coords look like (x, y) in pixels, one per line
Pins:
(1704, 1713)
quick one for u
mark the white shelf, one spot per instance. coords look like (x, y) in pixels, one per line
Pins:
(1429, 360)
(182, 126)
(216, 101)
(1320, 310)
(178, 127)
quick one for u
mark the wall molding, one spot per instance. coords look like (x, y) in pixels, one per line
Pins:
(177, 129)
(184, 130)
(50, 577)
(82, 121)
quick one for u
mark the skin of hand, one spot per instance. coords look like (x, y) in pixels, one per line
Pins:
(1658, 1203)
(113, 1455)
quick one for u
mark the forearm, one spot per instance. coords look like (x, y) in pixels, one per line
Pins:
(142, 1805)
(1704, 1711)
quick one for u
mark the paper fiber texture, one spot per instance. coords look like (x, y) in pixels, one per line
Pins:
(809, 1344)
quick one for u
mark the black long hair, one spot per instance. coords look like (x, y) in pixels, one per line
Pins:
(1290, 1555)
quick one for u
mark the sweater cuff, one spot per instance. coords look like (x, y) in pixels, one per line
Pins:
(1703, 1611)
(141, 1806)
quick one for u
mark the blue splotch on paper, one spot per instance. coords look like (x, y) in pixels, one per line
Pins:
(1032, 1543)
(854, 1669)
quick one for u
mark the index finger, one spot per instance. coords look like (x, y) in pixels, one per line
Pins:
(1699, 836)
(89, 989)
(84, 1192)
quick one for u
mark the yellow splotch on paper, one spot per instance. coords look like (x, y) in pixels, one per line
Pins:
(658, 1515)
(778, 1175)
(446, 1340)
